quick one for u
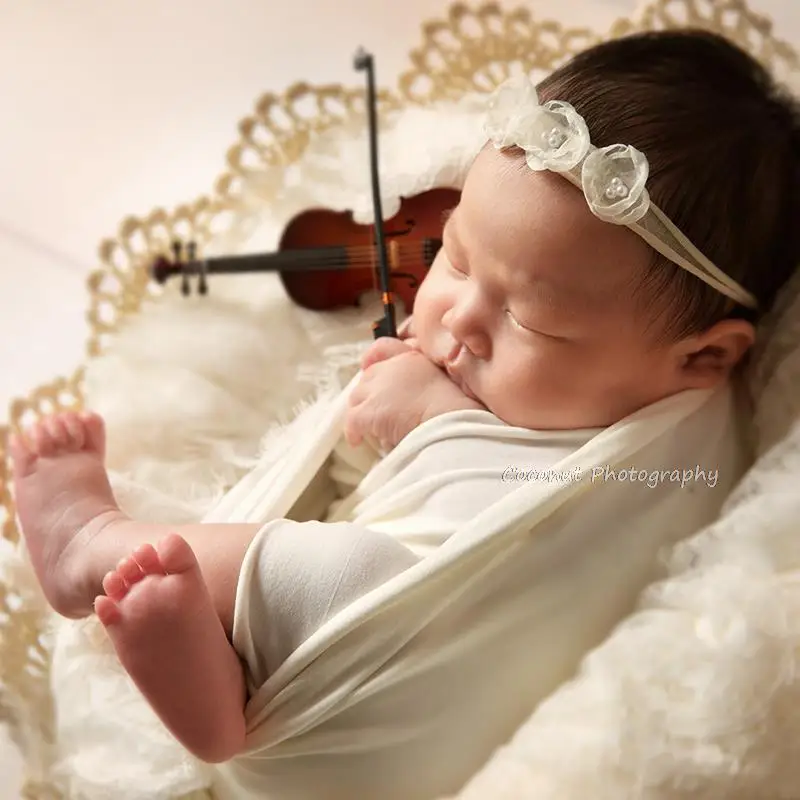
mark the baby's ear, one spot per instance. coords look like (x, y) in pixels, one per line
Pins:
(711, 356)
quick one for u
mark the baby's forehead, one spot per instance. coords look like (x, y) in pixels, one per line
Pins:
(539, 228)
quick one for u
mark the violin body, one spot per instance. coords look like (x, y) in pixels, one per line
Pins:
(328, 261)
(413, 237)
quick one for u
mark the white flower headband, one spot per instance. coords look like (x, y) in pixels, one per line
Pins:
(555, 137)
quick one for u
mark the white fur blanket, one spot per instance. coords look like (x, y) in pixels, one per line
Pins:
(691, 697)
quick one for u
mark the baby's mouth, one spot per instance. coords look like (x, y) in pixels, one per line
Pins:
(452, 356)
(444, 351)
(451, 362)
(460, 382)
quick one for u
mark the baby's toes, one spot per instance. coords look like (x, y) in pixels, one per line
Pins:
(107, 610)
(114, 586)
(94, 432)
(129, 571)
(59, 435)
(175, 555)
(41, 437)
(148, 560)
(75, 431)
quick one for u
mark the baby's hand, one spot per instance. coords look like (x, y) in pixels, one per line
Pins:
(399, 389)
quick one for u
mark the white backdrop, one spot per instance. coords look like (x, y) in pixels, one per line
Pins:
(113, 107)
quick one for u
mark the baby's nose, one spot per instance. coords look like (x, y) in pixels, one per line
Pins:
(467, 328)
(478, 344)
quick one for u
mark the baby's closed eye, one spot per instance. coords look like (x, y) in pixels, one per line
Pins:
(460, 271)
(530, 330)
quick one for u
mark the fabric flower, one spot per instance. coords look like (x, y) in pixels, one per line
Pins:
(553, 136)
(613, 180)
(556, 138)
(510, 105)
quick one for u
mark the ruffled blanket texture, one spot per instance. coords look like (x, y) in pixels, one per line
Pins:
(693, 696)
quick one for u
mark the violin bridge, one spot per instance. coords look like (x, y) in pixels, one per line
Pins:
(394, 255)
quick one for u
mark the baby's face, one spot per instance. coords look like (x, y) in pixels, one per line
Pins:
(529, 304)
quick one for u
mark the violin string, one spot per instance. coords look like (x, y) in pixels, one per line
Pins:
(343, 255)
(364, 248)
(344, 258)
(402, 264)
(349, 252)
(405, 260)
(322, 266)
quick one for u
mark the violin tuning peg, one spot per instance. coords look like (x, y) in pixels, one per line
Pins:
(191, 251)
(185, 288)
(202, 286)
(176, 250)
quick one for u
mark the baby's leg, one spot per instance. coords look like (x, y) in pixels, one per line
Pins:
(161, 619)
(76, 533)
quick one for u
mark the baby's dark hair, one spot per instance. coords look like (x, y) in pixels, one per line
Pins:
(723, 143)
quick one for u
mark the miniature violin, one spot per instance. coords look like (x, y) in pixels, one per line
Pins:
(327, 261)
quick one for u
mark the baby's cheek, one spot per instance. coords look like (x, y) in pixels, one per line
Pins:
(429, 333)
(541, 378)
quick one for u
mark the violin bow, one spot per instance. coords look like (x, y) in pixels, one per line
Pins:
(388, 325)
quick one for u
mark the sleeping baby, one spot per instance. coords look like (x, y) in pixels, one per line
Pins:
(616, 240)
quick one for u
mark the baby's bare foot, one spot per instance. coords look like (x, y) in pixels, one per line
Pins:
(63, 500)
(161, 619)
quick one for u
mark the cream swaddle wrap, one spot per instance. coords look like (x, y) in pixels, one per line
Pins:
(405, 691)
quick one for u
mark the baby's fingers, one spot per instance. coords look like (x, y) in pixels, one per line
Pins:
(354, 425)
(405, 331)
(383, 349)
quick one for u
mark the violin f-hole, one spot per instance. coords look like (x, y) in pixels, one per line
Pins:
(410, 222)
(413, 281)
